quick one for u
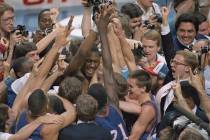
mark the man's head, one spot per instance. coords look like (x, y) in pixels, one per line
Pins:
(186, 28)
(182, 63)
(6, 18)
(86, 107)
(132, 10)
(203, 24)
(21, 66)
(38, 103)
(98, 92)
(44, 20)
(184, 6)
(27, 49)
(151, 44)
(92, 62)
(121, 85)
(139, 83)
(70, 88)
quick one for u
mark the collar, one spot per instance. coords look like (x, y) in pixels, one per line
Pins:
(194, 109)
(80, 121)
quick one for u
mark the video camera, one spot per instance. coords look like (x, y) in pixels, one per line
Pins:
(21, 30)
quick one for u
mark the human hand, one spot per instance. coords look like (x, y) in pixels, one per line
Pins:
(15, 38)
(54, 14)
(117, 26)
(165, 13)
(85, 3)
(195, 80)
(135, 22)
(63, 32)
(50, 119)
(104, 16)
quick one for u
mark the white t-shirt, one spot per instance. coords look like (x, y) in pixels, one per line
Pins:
(4, 136)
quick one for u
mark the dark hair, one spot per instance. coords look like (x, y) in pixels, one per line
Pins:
(132, 10)
(37, 102)
(22, 66)
(189, 91)
(201, 18)
(24, 48)
(42, 12)
(98, 92)
(5, 7)
(56, 105)
(3, 116)
(86, 107)
(187, 17)
(143, 79)
(70, 88)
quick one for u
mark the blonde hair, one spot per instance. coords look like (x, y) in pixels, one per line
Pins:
(153, 35)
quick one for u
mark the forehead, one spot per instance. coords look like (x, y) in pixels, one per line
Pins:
(179, 57)
(186, 26)
(93, 56)
(8, 13)
(45, 14)
(148, 42)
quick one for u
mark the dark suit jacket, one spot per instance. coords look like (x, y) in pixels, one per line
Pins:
(84, 131)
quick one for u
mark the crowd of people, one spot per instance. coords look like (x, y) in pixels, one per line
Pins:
(134, 75)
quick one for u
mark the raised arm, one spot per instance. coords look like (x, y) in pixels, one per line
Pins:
(78, 60)
(86, 19)
(102, 22)
(127, 53)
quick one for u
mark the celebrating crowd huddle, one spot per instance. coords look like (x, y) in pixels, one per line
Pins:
(136, 74)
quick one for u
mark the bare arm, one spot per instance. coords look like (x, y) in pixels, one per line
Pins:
(127, 53)
(129, 107)
(86, 19)
(27, 130)
(109, 83)
(146, 116)
(80, 56)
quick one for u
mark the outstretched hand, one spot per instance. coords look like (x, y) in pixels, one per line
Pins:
(165, 13)
(196, 81)
(63, 33)
(104, 16)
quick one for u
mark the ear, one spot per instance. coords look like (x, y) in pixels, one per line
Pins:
(187, 69)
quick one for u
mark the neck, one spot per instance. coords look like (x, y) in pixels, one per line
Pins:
(143, 6)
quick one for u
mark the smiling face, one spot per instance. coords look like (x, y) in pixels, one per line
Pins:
(204, 28)
(91, 64)
(7, 21)
(186, 33)
(134, 91)
(150, 48)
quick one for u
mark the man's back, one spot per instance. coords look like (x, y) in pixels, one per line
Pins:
(84, 131)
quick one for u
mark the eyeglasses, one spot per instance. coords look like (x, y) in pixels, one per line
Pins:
(177, 62)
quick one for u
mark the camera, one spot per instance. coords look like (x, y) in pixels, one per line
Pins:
(158, 17)
(148, 25)
(21, 30)
(138, 52)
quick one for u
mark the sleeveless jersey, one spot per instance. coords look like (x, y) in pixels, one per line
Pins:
(114, 124)
(22, 122)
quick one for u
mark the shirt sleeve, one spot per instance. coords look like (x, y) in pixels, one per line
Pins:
(5, 136)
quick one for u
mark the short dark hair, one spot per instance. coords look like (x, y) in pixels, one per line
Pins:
(24, 48)
(42, 12)
(132, 10)
(121, 85)
(143, 79)
(187, 17)
(5, 7)
(201, 18)
(56, 105)
(86, 107)
(37, 102)
(70, 88)
(98, 92)
(22, 65)
(189, 91)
